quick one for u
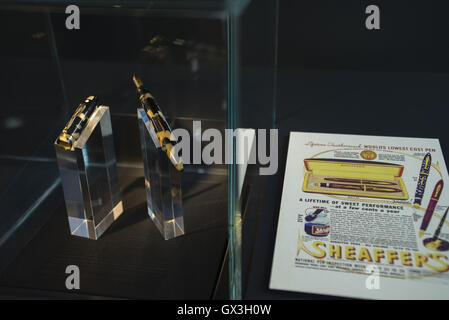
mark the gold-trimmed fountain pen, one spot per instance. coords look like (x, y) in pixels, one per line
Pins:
(159, 123)
(77, 122)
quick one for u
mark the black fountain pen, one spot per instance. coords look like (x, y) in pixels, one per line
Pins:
(159, 123)
(77, 123)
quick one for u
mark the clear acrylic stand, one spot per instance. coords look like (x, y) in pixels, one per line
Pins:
(162, 182)
(89, 178)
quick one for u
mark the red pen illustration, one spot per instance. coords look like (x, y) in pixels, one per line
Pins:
(431, 207)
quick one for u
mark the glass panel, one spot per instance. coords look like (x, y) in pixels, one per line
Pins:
(180, 50)
(252, 69)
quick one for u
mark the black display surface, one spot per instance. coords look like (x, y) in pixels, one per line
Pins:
(131, 260)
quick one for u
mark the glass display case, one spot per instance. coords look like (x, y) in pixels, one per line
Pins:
(221, 71)
(189, 55)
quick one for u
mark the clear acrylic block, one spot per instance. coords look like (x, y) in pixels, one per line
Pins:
(162, 182)
(89, 178)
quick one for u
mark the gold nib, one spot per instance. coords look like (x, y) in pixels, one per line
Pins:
(138, 83)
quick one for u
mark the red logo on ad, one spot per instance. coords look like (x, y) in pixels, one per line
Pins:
(320, 230)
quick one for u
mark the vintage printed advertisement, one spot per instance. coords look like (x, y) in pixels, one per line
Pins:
(363, 216)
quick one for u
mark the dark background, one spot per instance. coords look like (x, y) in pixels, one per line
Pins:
(326, 34)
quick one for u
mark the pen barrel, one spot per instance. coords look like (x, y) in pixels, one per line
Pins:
(76, 125)
(381, 189)
(157, 125)
(147, 101)
(150, 104)
(162, 122)
(432, 204)
(423, 174)
(428, 214)
(362, 181)
(79, 120)
(153, 111)
(379, 183)
(342, 186)
(440, 225)
(160, 125)
(361, 187)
